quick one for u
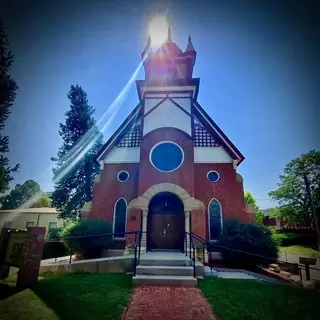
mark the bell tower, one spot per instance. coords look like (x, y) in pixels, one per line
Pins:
(169, 88)
(169, 62)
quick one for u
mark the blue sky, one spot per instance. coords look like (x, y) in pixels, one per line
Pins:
(256, 62)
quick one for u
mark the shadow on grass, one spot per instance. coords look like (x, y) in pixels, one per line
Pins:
(7, 291)
(86, 296)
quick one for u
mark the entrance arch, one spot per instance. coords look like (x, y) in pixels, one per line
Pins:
(142, 203)
(165, 222)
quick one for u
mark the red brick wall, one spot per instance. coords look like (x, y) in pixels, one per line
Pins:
(228, 191)
(133, 225)
(109, 190)
(198, 223)
(192, 177)
(184, 176)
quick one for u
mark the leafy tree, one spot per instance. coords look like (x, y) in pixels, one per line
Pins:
(23, 195)
(8, 88)
(250, 199)
(42, 202)
(298, 192)
(75, 166)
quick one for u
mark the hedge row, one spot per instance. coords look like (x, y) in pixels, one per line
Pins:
(290, 239)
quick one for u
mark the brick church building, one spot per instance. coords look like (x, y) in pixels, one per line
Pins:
(168, 168)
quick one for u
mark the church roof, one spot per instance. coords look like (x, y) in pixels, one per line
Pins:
(129, 129)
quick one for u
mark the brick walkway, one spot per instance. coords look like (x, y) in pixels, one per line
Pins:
(169, 303)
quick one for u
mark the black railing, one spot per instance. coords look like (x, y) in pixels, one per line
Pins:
(137, 243)
(192, 250)
(202, 245)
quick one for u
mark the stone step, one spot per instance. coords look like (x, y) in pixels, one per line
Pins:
(164, 270)
(161, 280)
(164, 259)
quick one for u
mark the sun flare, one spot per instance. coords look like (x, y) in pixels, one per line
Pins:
(158, 30)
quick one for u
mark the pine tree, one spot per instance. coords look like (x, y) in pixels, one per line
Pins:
(8, 89)
(75, 166)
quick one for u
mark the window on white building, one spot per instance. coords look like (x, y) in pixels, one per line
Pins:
(7, 224)
(52, 225)
(29, 224)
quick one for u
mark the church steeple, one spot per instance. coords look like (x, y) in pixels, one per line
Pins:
(147, 47)
(169, 63)
(169, 35)
(190, 47)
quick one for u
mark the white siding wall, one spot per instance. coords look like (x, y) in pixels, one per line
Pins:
(185, 103)
(150, 103)
(123, 155)
(211, 155)
(167, 115)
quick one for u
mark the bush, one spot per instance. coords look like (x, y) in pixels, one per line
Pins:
(248, 238)
(54, 250)
(76, 236)
(291, 239)
(53, 246)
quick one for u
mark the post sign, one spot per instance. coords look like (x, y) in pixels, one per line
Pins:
(16, 249)
(305, 260)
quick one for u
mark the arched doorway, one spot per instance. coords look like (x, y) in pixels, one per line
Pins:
(166, 222)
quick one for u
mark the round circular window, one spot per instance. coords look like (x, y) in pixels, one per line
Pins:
(166, 156)
(123, 176)
(213, 176)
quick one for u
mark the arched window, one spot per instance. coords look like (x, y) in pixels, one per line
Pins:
(215, 219)
(120, 218)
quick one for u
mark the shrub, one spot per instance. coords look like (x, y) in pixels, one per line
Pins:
(290, 239)
(247, 238)
(81, 237)
(54, 250)
(53, 246)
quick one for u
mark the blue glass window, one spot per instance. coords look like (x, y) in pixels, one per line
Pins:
(166, 156)
(120, 217)
(213, 176)
(215, 226)
(123, 176)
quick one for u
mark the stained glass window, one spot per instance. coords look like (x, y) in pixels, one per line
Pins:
(215, 219)
(120, 217)
(166, 156)
(213, 176)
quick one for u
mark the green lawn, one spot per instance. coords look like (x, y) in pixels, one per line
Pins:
(254, 300)
(303, 250)
(74, 297)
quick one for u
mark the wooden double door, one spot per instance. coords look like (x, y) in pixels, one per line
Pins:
(165, 231)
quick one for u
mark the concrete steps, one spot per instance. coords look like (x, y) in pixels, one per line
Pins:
(164, 280)
(164, 259)
(166, 269)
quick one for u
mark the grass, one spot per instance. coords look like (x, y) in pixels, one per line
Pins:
(302, 250)
(75, 296)
(252, 300)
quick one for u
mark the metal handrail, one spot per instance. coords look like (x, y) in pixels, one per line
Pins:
(191, 246)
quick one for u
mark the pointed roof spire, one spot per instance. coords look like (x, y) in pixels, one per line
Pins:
(147, 47)
(169, 35)
(189, 47)
(148, 44)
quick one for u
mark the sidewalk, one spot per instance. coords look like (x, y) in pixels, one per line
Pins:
(169, 303)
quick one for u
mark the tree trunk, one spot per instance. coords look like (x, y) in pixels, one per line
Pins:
(87, 181)
(313, 210)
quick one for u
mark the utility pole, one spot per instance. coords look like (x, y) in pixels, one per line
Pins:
(313, 210)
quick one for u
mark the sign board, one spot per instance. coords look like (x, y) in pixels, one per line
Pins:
(304, 260)
(16, 248)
